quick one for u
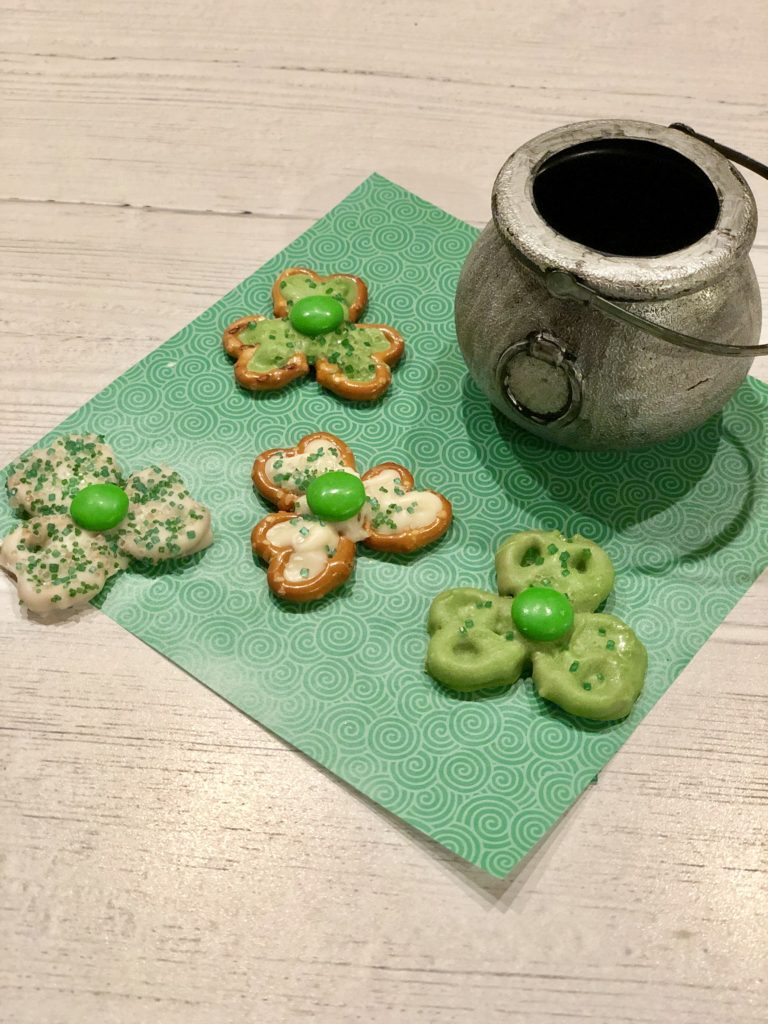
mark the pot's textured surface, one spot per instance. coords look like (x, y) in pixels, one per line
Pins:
(567, 372)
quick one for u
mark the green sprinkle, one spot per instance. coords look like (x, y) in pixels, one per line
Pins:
(191, 534)
(600, 676)
(552, 549)
(509, 636)
(586, 686)
(574, 666)
(601, 631)
(610, 645)
(539, 560)
(566, 572)
(469, 623)
(304, 573)
(304, 531)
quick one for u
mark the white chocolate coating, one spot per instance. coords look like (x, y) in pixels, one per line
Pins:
(163, 520)
(397, 510)
(46, 479)
(313, 544)
(57, 564)
(292, 473)
(388, 509)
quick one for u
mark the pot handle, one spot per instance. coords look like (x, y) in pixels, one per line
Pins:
(563, 285)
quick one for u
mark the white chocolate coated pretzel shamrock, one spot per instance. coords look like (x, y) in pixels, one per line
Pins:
(84, 522)
(326, 508)
(591, 664)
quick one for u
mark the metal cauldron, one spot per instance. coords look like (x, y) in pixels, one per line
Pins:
(611, 302)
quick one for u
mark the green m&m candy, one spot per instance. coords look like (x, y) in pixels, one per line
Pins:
(336, 495)
(316, 314)
(543, 614)
(99, 507)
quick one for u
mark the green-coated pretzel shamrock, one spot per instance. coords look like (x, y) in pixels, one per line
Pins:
(591, 664)
(314, 325)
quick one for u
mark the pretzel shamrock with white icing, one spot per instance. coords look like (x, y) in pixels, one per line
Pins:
(591, 664)
(326, 507)
(83, 521)
(314, 324)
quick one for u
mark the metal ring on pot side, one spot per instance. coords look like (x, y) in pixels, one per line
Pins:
(543, 346)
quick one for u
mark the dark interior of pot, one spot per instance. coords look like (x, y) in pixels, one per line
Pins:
(626, 197)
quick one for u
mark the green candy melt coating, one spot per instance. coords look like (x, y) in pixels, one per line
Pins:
(471, 645)
(576, 567)
(99, 507)
(298, 286)
(336, 495)
(587, 680)
(591, 665)
(542, 614)
(316, 314)
(349, 347)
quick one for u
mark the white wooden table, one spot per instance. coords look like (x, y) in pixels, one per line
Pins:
(164, 859)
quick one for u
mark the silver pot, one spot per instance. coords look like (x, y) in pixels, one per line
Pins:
(611, 302)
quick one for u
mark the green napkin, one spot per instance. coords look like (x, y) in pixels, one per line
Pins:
(486, 775)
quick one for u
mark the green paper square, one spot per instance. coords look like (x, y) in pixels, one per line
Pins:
(486, 775)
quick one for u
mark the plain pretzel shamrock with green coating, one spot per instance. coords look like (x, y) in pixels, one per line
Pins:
(83, 522)
(314, 324)
(591, 664)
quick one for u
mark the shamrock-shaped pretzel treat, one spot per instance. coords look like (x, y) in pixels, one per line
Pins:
(83, 522)
(591, 664)
(327, 507)
(315, 324)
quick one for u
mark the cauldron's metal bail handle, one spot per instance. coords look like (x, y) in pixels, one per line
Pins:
(732, 154)
(565, 286)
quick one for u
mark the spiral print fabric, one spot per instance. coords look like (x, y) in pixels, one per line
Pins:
(485, 774)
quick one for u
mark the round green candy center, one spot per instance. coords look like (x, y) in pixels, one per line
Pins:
(316, 314)
(336, 496)
(543, 614)
(99, 507)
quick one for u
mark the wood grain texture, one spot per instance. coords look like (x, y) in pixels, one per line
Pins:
(162, 857)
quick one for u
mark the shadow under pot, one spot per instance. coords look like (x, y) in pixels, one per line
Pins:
(611, 302)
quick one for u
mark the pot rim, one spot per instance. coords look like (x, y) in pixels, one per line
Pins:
(625, 277)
